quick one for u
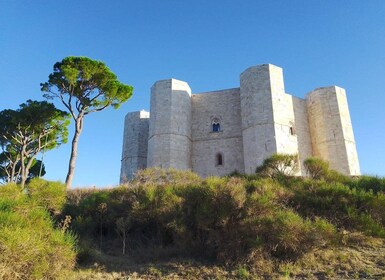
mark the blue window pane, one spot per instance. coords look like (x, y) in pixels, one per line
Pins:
(216, 127)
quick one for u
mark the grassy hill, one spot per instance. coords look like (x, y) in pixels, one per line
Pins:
(169, 224)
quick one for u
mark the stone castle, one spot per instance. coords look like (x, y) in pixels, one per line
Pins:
(218, 132)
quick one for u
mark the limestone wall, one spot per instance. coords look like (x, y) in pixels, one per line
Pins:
(284, 124)
(347, 130)
(169, 142)
(224, 106)
(331, 129)
(302, 131)
(257, 85)
(135, 137)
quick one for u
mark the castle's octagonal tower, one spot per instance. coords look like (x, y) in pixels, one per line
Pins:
(331, 129)
(169, 140)
(267, 115)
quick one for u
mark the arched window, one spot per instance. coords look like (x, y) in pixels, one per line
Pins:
(216, 126)
(219, 159)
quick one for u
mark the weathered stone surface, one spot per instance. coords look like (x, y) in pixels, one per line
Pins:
(224, 106)
(257, 115)
(331, 129)
(169, 141)
(135, 142)
(302, 131)
(256, 120)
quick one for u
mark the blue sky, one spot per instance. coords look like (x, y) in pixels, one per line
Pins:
(206, 43)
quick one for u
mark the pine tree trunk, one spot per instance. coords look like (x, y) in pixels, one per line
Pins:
(22, 166)
(74, 151)
(13, 172)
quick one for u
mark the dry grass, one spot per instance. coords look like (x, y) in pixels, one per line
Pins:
(362, 258)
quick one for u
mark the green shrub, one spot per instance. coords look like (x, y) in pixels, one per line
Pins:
(336, 177)
(30, 247)
(365, 223)
(368, 183)
(316, 168)
(346, 208)
(230, 219)
(12, 192)
(287, 235)
(210, 217)
(161, 176)
(51, 195)
(278, 166)
(243, 273)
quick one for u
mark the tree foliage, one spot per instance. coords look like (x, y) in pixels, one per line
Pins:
(278, 166)
(319, 169)
(24, 132)
(316, 168)
(37, 169)
(50, 195)
(84, 86)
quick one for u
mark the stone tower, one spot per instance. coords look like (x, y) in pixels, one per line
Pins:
(331, 129)
(169, 139)
(267, 115)
(134, 155)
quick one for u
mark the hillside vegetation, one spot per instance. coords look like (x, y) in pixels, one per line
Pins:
(174, 225)
(259, 223)
(30, 246)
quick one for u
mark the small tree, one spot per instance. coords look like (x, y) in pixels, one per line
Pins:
(123, 225)
(278, 166)
(10, 168)
(316, 168)
(102, 210)
(37, 125)
(9, 160)
(84, 86)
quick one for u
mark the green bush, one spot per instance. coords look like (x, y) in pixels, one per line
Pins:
(12, 192)
(279, 166)
(287, 235)
(30, 246)
(225, 219)
(368, 183)
(316, 168)
(51, 195)
(161, 176)
(348, 208)
(230, 219)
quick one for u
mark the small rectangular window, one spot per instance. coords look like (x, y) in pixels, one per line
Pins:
(219, 160)
(291, 130)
